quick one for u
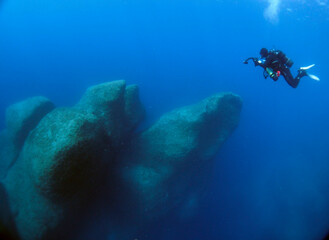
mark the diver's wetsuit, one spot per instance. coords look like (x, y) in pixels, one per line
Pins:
(277, 63)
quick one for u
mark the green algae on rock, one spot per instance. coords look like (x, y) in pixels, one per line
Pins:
(89, 156)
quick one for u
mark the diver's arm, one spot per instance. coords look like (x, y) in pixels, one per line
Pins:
(246, 61)
(256, 61)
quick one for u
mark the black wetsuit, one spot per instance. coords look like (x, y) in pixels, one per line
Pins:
(277, 62)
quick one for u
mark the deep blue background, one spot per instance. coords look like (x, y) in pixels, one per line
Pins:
(271, 175)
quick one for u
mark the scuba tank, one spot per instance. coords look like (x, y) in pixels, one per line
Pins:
(272, 74)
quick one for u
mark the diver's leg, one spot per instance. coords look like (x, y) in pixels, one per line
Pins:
(293, 82)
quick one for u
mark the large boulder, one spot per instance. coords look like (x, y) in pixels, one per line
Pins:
(24, 116)
(64, 153)
(34, 215)
(56, 172)
(63, 159)
(21, 118)
(119, 107)
(169, 164)
(86, 162)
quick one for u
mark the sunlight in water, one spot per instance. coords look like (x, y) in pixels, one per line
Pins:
(272, 11)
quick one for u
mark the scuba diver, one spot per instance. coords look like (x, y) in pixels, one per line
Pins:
(276, 63)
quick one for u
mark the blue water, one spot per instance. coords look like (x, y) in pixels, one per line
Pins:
(270, 179)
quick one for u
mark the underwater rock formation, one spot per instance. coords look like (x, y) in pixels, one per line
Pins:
(21, 118)
(70, 161)
(169, 163)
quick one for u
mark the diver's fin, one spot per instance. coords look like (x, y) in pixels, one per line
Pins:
(302, 72)
(313, 77)
(308, 67)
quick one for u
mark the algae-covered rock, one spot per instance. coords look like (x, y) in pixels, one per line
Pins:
(57, 170)
(119, 107)
(21, 118)
(170, 162)
(64, 152)
(35, 216)
(102, 98)
(63, 159)
(198, 129)
(134, 110)
(86, 162)
(8, 153)
(6, 218)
